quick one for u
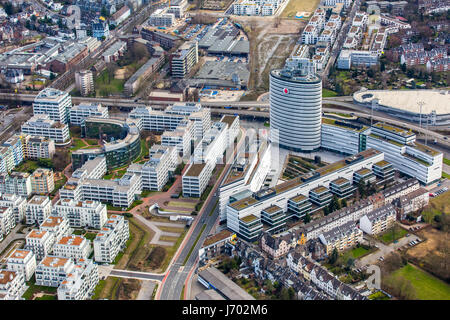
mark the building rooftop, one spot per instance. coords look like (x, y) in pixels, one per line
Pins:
(195, 169)
(54, 262)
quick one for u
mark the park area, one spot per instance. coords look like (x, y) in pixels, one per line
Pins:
(393, 234)
(426, 286)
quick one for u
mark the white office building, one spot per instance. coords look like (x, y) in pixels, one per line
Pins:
(196, 178)
(42, 125)
(341, 136)
(78, 113)
(82, 214)
(155, 172)
(111, 239)
(180, 138)
(54, 103)
(22, 261)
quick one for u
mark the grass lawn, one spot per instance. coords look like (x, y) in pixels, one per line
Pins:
(180, 204)
(326, 93)
(378, 296)
(388, 236)
(78, 232)
(445, 175)
(33, 288)
(438, 205)
(427, 287)
(91, 142)
(295, 6)
(27, 166)
(77, 144)
(105, 86)
(447, 161)
(359, 252)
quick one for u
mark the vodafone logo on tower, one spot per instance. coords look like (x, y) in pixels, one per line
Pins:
(285, 91)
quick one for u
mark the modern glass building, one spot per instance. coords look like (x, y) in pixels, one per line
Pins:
(121, 142)
(295, 109)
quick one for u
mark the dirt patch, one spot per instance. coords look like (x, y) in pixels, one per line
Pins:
(120, 73)
(128, 289)
(432, 237)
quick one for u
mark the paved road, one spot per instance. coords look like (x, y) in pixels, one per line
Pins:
(136, 275)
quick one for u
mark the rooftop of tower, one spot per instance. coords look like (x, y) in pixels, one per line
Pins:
(294, 76)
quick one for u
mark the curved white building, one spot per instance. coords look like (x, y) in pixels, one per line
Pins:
(295, 110)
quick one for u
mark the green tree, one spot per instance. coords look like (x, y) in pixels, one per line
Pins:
(343, 203)
(307, 218)
(284, 294)
(334, 256)
(292, 294)
(403, 67)
(334, 204)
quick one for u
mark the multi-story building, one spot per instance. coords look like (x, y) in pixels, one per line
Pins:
(22, 261)
(53, 270)
(38, 209)
(17, 203)
(18, 183)
(155, 172)
(54, 103)
(379, 220)
(111, 239)
(82, 214)
(78, 113)
(161, 18)
(42, 125)
(342, 237)
(232, 129)
(405, 154)
(310, 34)
(73, 246)
(42, 181)
(196, 178)
(100, 30)
(121, 15)
(180, 138)
(212, 145)
(7, 222)
(411, 202)
(84, 82)
(400, 190)
(281, 193)
(80, 283)
(6, 159)
(57, 226)
(38, 147)
(39, 242)
(15, 145)
(12, 285)
(171, 117)
(300, 92)
(184, 59)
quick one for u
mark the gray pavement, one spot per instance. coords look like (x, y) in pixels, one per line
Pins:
(146, 291)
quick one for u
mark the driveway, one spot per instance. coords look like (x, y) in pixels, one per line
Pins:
(384, 250)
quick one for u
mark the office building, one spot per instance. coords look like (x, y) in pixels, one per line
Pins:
(42, 125)
(54, 103)
(79, 113)
(184, 59)
(295, 92)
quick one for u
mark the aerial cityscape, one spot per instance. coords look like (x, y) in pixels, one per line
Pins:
(206, 150)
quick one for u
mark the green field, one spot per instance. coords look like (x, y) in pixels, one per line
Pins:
(359, 252)
(447, 161)
(326, 93)
(105, 85)
(295, 6)
(77, 144)
(427, 287)
(388, 236)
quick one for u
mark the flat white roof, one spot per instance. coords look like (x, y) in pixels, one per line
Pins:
(407, 100)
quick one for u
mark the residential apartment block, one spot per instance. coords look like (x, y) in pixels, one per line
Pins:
(80, 283)
(38, 209)
(22, 261)
(7, 222)
(73, 246)
(184, 59)
(378, 220)
(17, 203)
(343, 237)
(84, 82)
(39, 242)
(18, 183)
(38, 147)
(82, 214)
(42, 181)
(111, 239)
(12, 285)
(53, 270)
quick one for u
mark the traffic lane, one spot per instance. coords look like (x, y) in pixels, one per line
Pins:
(134, 275)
